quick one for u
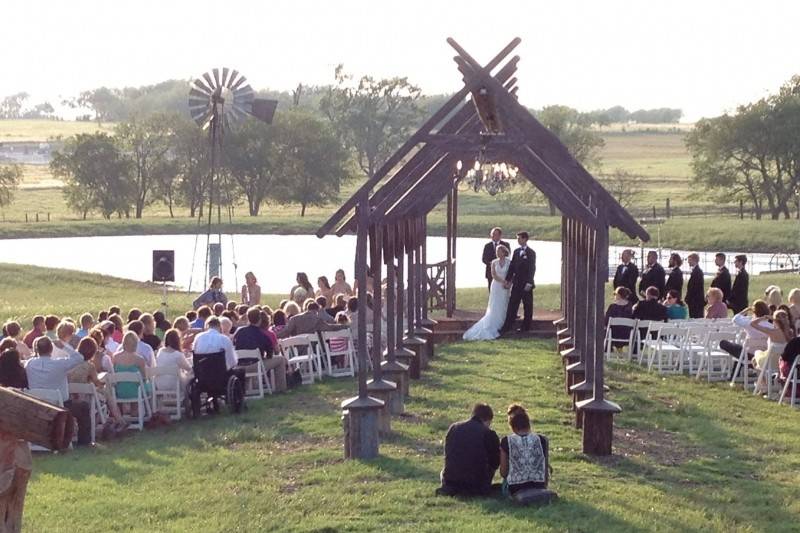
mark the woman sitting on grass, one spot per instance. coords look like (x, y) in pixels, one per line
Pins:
(127, 360)
(523, 454)
(676, 309)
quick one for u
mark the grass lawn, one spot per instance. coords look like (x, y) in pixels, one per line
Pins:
(42, 130)
(688, 456)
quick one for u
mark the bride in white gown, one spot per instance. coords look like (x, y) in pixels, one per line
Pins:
(488, 327)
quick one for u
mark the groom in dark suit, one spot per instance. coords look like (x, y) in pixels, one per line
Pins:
(520, 276)
(490, 251)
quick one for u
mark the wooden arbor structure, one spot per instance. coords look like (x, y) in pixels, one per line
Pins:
(391, 210)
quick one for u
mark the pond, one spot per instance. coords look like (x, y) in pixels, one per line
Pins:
(275, 259)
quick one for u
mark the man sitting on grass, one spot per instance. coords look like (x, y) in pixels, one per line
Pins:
(471, 455)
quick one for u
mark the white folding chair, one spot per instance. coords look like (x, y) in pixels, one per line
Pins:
(716, 361)
(649, 340)
(629, 340)
(694, 346)
(667, 352)
(793, 381)
(339, 344)
(167, 399)
(255, 376)
(291, 348)
(741, 367)
(316, 352)
(766, 374)
(88, 390)
(141, 401)
(51, 396)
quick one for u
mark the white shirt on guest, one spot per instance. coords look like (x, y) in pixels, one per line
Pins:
(145, 351)
(44, 372)
(112, 346)
(166, 358)
(756, 340)
(211, 341)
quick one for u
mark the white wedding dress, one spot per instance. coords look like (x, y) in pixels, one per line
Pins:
(488, 327)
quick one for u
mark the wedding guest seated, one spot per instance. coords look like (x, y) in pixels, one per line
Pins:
(102, 316)
(774, 297)
(788, 358)
(777, 338)
(340, 285)
(252, 337)
(278, 321)
(265, 324)
(794, 307)
(241, 310)
(187, 335)
(102, 359)
(149, 331)
(282, 304)
(129, 360)
(324, 288)
(191, 316)
(86, 372)
(212, 295)
(50, 324)
(44, 372)
(471, 455)
(339, 305)
(225, 326)
(339, 344)
(676, 309)
(620, 308)
(119, 327)
(109, 331)
(114, 310)
(65, 332)
(755, 339)
(203, 314)
(716, 307)
(322, 302)
(231, 305)
(307, 322)
(12, 330)
(171, 355)
(650, 308)
(144, 350)
(291, 309)
(36, 331)
(218, 309)
(212, 341)
(302, 290)
(87, 323)
(162, 324)
(12, 373)
(523, 454)
(134, 314)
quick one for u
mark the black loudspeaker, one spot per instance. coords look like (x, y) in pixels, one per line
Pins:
(163, 265)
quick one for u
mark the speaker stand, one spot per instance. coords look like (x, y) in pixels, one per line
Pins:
(164, 305)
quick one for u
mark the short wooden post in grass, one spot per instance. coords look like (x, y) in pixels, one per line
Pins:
(426, 322)
(598, 413)
(25, 419)
(394, 371)
(575, 370)
(582, 389)
(378, 387)
(411, 341)
(420, 330)
(402, 355)
(360, 413)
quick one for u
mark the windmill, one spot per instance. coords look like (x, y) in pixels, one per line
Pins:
(217, 99)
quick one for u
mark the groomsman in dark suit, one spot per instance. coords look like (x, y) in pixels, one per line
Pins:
(722, 280)
(490, 251)
(627, 274)
(653, 276)
(675, 278)
(695, 291)
(741, 285)
(520, 275)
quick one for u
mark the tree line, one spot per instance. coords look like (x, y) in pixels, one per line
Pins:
(753, 155)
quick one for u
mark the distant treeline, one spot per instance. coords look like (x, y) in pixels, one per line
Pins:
(618, 114)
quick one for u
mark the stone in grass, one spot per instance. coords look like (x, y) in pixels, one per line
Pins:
(534, 497)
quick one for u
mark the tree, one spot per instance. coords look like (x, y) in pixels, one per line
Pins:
(754, 154)
(97, 175)
(373, 117)
(146, 142)
(104, 102)
(310, 158)
(10, 178)
(190, 153)
(43, 110)
(249, 155)
(623, 186)
(11, 106)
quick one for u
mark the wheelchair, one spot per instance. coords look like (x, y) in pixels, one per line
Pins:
(212, 383)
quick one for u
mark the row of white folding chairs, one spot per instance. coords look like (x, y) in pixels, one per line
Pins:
(312, 354)
(257, 379)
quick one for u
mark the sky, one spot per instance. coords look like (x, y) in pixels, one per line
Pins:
(703, 56)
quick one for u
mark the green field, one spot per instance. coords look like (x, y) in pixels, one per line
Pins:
(659, 157)
(43, 130)
(688, 456)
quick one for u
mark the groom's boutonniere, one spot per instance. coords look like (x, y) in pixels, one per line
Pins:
(522, 255)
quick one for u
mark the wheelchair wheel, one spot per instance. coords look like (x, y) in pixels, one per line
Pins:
(235, 394)
(193, 393)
